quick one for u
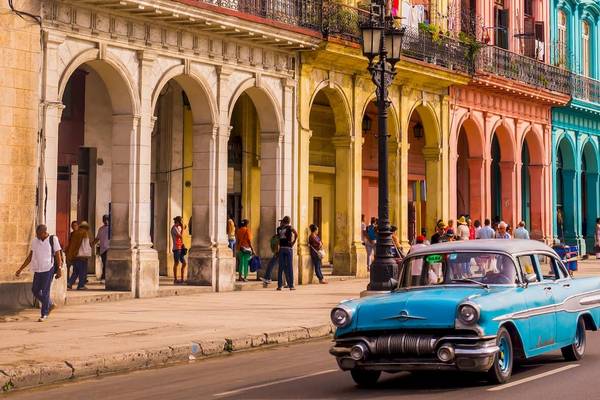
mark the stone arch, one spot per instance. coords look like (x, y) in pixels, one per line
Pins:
(115, 76)
(393, 116)
(269, 111)
(590, 191)
(566, 188)
(429, 119)
(468, 145)
(502, 183)
(532, 182)
(202, 100)
(338, 102)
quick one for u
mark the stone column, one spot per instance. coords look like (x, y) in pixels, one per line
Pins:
(305, 268)
(569, 206)
(210, 261)
(51, 115)
(476, 189)
(120, 270)
(358, 253)
(344, 197)
(536, 198)
(433, 181)
(270, 188)
(508, 191)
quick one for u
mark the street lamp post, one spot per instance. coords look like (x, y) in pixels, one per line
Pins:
(382, 45)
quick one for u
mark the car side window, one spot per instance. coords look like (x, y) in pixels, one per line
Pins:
(559, 269)
(552, 270)
(527, 264)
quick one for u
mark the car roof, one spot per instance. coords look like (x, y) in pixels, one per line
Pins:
(512, 246)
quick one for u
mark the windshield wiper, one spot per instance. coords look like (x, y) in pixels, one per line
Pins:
(467, 280)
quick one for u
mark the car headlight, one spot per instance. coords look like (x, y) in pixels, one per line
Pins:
(340, 317)
(468, 314)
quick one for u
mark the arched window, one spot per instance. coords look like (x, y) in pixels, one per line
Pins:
(585, 48)
(562, 39)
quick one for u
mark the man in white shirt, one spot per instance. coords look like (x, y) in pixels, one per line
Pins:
(103, 240)
(486, 232)
(521, 232)
(43, 256)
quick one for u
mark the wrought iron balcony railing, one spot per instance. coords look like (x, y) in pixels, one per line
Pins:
(586, 88)
(302, 13)
(517, 67)
(343, 21)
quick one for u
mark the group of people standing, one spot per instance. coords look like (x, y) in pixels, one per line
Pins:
(282, 248)
(466, 229)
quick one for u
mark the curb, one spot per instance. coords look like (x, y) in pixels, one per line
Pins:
(37, 374)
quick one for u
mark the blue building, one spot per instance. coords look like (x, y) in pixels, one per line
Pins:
(575, 32)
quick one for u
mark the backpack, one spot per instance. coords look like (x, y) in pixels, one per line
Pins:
(274, 244)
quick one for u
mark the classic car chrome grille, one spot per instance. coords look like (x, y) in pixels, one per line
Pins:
(410, 344)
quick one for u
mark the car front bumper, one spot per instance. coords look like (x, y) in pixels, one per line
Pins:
(474, 354)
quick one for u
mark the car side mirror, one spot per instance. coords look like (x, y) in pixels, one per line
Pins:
(530, 278)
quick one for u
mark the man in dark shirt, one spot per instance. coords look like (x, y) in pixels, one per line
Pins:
(440, 235)
(287, 240)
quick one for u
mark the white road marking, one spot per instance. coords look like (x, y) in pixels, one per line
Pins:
(533, 377)
(296, 378)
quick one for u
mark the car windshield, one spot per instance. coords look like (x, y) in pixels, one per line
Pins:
(474, 268)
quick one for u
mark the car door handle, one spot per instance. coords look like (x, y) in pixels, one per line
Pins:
(547, 288)
(566, 285)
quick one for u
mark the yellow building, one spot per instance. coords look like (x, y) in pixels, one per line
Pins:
(337, 159)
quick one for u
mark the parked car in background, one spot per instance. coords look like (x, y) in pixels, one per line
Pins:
(468, 306)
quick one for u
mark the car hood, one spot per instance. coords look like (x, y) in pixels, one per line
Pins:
(423, 308)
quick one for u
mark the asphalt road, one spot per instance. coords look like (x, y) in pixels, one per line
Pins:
(306, 371)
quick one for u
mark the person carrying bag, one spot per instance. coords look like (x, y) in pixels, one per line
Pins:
(317, 253)
(80, 251)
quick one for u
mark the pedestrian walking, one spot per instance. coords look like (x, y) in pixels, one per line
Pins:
(450, 228)
(597, 239)
(79, 253)
(179, 249)
(231, 233)
(287, 240)
(502, 231)
(440, 235)
(521, 232)
(371, 241)
(74, 227)
(471, 229)
(243, 239)
(45, 260)
(363, 229)
(103, 242)
(274, 243)
(317, 253)
(486, 232)
(462, 231)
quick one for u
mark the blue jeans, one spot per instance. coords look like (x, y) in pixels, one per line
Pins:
(285, 266)
(231, 244)
(42, 281)
(79, 271)
(270, 267)
(318, 263)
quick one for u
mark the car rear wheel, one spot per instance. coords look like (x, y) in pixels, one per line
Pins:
(501, 370)
(365, 378)
(576, 350)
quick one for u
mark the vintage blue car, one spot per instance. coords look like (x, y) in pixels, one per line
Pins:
(470, 306)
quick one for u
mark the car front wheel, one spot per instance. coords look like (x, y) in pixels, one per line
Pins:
(576, 350)
(501, 371)
(365, 378)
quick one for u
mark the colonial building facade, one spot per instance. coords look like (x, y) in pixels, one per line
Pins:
(576, 128)
(500, 138)
(153, 111)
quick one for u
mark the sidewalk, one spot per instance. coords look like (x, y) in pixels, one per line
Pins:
(92, 339)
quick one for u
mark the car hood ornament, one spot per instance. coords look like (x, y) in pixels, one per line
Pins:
(405, 316)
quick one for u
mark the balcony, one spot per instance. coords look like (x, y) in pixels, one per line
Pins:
(343, 22)
(498, 61)
(301, 13)
(586, 89)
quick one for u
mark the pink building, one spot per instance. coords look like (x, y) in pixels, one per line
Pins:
(500, 140)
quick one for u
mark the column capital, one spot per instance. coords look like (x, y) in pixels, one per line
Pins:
(208, 129)
(125, 119)
(432, 153)
(270, 137)
(342, 140)
(146, 57)
(54, 38)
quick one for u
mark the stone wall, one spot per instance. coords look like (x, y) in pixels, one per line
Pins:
(20, 57)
